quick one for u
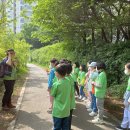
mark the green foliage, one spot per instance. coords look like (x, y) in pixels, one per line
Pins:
(42, 56)
(27, 33)
(9, 40)
(114, 55)
(86, 30)
(117, 91)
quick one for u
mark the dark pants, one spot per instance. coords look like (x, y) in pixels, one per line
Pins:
(76, 88)
(9, 87)
(61, 123)
(82, 91)
(70, 118)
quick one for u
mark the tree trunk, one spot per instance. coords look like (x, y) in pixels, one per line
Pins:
(104, 37)
(117, 35)
(124, 33)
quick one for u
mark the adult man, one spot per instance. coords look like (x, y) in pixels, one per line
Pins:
(10, 64)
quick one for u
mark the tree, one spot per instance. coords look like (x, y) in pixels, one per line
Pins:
(27, 32)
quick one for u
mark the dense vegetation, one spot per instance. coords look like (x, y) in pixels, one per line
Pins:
(85, 30)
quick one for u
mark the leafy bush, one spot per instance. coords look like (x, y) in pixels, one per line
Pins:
(114, 55)
(42, 56)
(9, 40)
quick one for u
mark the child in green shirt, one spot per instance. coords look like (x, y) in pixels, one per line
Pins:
(100, 91)
(81, 81)
(75, 74)
(72, 102)
(61, 91)
(125, 125)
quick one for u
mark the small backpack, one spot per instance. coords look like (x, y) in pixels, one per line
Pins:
(2, 69)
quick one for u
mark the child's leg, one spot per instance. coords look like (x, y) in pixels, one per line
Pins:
(65, 124)
(70, 119)
(82, 92)
(129, 118)
(51, 99)
(76, 88)
(125, 121)
(89, 95)
(100, 106)
(57, 123)
(94, 104)
(91, 100)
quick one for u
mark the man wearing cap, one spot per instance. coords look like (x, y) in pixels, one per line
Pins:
(10, 64)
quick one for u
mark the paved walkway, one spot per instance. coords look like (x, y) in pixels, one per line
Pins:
(33, 112)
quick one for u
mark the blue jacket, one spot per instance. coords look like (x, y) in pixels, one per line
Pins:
(51, 77)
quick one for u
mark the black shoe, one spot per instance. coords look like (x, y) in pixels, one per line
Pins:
(5, 108)
(120, 128)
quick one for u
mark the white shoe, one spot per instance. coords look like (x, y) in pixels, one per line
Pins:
(93, 113)
(88, 106)
(89, 110)
(96, 117)
(84, 98)
(80, 97)
(97, 121)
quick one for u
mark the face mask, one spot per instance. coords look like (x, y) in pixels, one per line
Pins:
(127, 72)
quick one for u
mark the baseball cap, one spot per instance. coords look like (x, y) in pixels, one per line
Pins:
(93, 64)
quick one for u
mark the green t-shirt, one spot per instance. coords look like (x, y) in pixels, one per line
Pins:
(128, 87)
(61, 91)
(75, 74)
(72, 103)
(101, 80)
(55, 79)
(13, 75)
(81, 78)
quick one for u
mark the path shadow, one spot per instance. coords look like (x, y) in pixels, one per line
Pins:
(82, 120)
(32, 120)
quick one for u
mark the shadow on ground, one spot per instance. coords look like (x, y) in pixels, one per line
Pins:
(82, 120)
(32, 121)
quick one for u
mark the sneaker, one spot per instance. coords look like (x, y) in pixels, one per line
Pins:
(88, 106)
(96, 117)
(89, 110)
(4, 108)
(80, 97)
(120, 128)
(93, 113)
(84, 98)
(11, 106)
(97, 121)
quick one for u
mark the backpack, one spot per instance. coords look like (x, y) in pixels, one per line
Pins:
(2, 69)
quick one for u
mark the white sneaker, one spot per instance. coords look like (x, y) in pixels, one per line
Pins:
(97, 121)
(84, 98)
(96, 117)
(88, 106)
(80, 97)
(89, 110)
(93, 113)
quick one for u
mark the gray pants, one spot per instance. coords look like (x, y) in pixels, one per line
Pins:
(100, 107)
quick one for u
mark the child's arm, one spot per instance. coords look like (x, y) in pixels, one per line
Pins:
(51, 77)
(54, 90)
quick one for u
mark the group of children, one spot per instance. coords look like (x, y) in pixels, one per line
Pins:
(68, 81)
